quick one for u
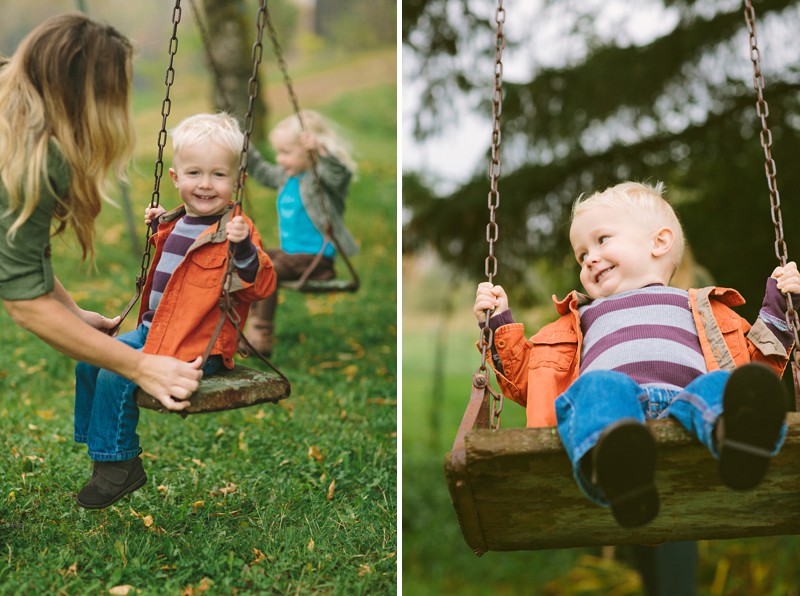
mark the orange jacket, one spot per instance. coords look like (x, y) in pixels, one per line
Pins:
(537, 370)
(189, 309)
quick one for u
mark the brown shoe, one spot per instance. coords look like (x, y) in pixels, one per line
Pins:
(259, 334)
(111, 480)
(753, 413)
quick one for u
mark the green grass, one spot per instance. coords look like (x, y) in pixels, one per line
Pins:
(436, 560)
(298, 497)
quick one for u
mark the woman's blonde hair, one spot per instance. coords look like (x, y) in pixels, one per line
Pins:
(644, 201)
(69, 81)
(323, 130)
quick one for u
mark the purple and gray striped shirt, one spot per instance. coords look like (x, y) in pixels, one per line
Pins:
(648, 334)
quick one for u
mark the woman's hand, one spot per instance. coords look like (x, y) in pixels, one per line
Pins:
(169, 380)
(97, 320)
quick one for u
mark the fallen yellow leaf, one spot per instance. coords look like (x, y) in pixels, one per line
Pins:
(350, 372)
(380, 401)
(228, 489)
(259, 556)
(314, 452)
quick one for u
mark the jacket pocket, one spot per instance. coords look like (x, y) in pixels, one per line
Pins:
(557, 351)
(734, 337)
(205, 270)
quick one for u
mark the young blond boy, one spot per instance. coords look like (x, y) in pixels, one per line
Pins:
(180, 302)
(636, 349)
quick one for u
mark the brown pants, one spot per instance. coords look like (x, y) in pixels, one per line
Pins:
(290, 267)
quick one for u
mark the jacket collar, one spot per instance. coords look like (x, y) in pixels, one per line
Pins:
(574, 299)
(571, 302)
(215, 233)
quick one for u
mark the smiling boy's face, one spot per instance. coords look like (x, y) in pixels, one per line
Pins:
(616, 251)
(205, 178)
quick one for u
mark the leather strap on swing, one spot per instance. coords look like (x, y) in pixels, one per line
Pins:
(476, 415)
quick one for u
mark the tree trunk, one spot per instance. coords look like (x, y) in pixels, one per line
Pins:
(229, 53)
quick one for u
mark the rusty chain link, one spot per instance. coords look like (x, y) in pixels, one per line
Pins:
(166, 107)
(252, 88)
(781, 251)
(227, 301)
(492, 229)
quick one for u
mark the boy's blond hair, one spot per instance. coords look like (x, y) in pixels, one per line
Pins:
(220, 128)
(644, 201)
(324, 132)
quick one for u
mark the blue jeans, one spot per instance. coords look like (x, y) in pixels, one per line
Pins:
(106, 414)
(600, 398)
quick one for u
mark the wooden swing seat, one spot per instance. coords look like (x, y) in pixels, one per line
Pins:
(319, 286)
(238, 387)
(513, 489)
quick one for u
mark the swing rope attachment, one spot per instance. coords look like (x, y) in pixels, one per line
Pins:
(781, 251)
(481, 378)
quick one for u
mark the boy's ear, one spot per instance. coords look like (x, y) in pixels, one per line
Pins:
(174, 176)
(662, 242)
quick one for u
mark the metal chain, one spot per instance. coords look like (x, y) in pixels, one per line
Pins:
(166, 107)
(227, 301)
(328, 235)
(492, 229)
(276, 46)
(781, 251)
(257, 54)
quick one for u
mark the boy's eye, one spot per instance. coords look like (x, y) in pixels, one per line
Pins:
(602, 239)
(581, 257)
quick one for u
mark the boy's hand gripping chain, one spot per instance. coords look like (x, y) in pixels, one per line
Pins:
(781, 251)
(480, 379)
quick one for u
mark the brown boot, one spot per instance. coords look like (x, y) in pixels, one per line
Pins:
(111, 480)
(259, 334)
